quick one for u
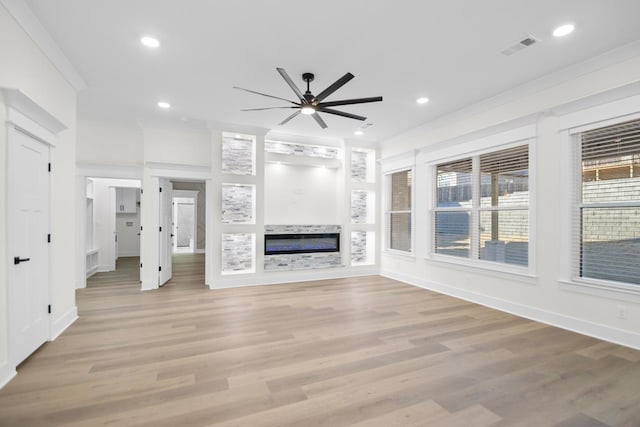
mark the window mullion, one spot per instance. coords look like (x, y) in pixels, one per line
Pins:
(474, 230)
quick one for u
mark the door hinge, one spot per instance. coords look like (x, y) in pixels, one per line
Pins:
(160, 229)
(49, 238)
(49, 167)
(141, 191)
(161, 189)
(140, 265)
(160, 268)
(140, 228)
(49, 308)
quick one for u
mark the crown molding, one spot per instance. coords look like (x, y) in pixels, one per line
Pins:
(25, 17)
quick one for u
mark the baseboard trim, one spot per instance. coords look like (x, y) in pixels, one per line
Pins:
(103, 268)
(279, 278)
(128, 254)
(584, 327)
(7, 373)
(66, 320)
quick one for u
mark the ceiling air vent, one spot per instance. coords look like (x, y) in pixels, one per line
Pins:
(525, 42)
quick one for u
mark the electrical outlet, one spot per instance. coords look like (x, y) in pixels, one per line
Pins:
(622, 312)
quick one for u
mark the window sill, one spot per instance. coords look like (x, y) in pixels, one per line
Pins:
(486, 267)
(399, 254)
(621, 292)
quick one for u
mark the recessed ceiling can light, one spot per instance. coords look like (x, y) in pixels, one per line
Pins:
(422, 100)
(150, 41)
(358, 132)
(564, 30)
(164, 105)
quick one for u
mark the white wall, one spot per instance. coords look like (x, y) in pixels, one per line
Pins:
(542, 297)
(24, 67)
(174, 145)
(296, 194)
(109, 143)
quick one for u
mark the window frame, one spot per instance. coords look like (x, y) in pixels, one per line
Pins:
(388, 212)
(577, 120)
(506, 140)
(577, 205)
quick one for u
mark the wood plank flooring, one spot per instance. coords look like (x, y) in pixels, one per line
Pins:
(365, 351)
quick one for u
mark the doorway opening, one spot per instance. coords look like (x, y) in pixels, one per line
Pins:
(182, 251)
(112, 234)
(185, 221)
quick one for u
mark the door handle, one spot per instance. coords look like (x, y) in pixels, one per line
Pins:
(18, 260)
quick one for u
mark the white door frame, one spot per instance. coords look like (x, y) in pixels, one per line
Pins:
(28, 116)
(150, 257)
(186, 194)
(83, 172)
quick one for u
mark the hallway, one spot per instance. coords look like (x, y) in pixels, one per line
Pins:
(188, 271)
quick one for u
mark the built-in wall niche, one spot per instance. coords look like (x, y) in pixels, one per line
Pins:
(293, 149)
(362, 207)
(238, 203)
(363, 248)
(238, 253)
(238, 154)
(363, 164)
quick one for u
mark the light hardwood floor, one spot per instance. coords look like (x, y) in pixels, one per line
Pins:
(365, 351)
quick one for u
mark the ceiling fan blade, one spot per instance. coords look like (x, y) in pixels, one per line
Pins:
(268, 108)
(290, 82)
(350, 101)
(342, 113)
(334, 87)
(319, 120)
(289, 118)
(263, 94)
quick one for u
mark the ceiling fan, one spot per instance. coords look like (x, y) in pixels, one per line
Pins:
(311, 104)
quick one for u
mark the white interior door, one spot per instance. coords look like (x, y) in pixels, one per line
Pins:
(166, 229)
(28, 211)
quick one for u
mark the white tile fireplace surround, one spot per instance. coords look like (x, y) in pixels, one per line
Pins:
(302, 261)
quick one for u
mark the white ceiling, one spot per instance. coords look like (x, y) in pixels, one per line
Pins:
(448, 50)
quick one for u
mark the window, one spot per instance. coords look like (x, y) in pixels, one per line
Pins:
(608, 212)
(481, 207)
(398, 214)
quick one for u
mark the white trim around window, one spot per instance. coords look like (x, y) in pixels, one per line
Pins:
(572, 125)
(388, 212)
(473, 150)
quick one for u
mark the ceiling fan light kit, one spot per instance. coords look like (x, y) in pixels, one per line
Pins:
(310, 104)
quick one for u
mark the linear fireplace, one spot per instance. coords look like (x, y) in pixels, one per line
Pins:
(275, 244)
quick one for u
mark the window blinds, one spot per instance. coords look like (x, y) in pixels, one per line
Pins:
(609, 213)
(399, 214)
(482, 207)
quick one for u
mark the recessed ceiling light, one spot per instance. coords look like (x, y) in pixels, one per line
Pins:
(164, 105)
(422, 100)
(150, 41)
(564, 30)
(358, 132)
(308, 110)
